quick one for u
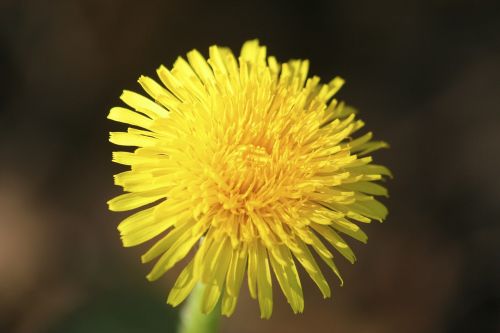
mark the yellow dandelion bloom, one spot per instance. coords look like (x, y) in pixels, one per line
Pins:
(249, 165)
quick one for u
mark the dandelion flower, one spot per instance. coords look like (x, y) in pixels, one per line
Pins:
(251, 167)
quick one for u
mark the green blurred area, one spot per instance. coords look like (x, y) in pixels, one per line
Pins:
(124, 310)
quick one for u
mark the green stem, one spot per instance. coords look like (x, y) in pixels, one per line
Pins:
(192, 320)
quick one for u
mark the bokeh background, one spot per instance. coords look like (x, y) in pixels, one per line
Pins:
(425, 75)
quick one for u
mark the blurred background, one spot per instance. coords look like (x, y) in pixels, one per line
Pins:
(424, 74)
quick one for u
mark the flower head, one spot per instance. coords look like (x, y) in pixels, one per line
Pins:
(254, 162)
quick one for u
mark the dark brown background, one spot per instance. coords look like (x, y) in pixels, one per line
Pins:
(425, 75)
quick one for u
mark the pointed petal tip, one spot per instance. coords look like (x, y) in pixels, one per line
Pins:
(173, 300)
(150, 277)
(124, 92)
(142, 78)
(170, 302)
(341, 280)
(126, 243)
(226, 314)
(265, 316)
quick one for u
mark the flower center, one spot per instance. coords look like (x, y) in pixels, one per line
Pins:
(252, 156)
(246, 171)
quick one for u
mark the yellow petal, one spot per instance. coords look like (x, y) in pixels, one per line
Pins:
(141, 227)
(220, 250)
(129, 117)
(234, 279)
(333, 267)
(228, 304)
(264, 283)
(130, 201)
(201, 67)
(360, 141)
(166, 242)
(374, 169)
(236, 271)
(172, 83)
(252, 269)
(309, 263)
(184, 74)
(318, 245)
(183, 285)
(174, 254)
(216, 61)
(211, 296)
(288, 279)
(143, 104)
(334, 86)
(250, 51)
(214, 288)
(159, 93)
(370, 147)
(126, 158)
(350, 229)
(371, 208)
(367, 187)
(129, 139)
(333, 238)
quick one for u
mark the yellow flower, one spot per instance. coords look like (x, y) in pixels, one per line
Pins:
(253, 161)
